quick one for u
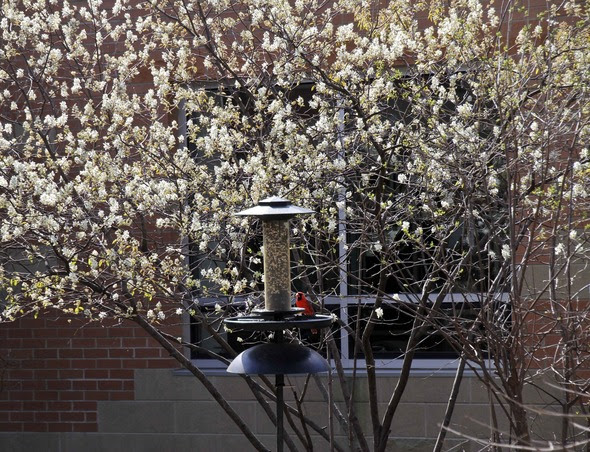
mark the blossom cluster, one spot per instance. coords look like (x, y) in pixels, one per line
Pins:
(131, 133)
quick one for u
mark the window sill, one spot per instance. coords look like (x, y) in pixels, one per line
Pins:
(420, 367)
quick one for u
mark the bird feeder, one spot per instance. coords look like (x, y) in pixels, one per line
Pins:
(275, 213)
(278, 357)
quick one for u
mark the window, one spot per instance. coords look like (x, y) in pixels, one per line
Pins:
(384, 245)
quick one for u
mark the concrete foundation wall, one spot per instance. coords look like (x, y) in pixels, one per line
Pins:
(172, 411)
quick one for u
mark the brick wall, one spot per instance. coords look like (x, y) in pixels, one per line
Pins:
(54, 371)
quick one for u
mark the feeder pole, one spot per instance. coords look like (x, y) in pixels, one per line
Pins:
(277, 358)
(279, 386)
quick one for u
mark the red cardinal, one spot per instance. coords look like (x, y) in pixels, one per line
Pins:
(301, 302)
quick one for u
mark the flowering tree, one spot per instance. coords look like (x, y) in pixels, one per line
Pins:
(443, 145)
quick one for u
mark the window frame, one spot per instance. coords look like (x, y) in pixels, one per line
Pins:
(344, 300)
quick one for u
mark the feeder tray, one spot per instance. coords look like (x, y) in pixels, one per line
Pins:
(273, 321)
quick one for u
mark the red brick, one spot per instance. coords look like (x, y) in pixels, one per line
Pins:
(33, 385)
(163, 364)
(121, 332)
(22, 374)
(84, 427)
(34, 343)
(11, 427)
(46, 374)
(31, 322)
(121, 395)
(108, 342)
(7, 344)
(135, 363)
(35, 406)
(85, 385)
(71, 373)
(21, 395)
(44, 333)
(71, 395)
(122, 374)
(147, 353)
(58, 343)
(31, 364)
(134, 342)
(59, 385)
(121, 353)
(36, 427)
(95, 332)
(20, 354)
(20, 333)
(110, 385)
(46, 416)
(108, 363)
(11, 405)
(45, 353)
(73, 353)
(96, 395)
(22, 416)
(85, 342)
(59, 427)
(91, 417)
(65, 332)
(59, 406)
(59, 363)
(96, 373)
(84, 406)
(84, 363)
(46, 395)
(74, 416)
(96, 353)
(10, 386)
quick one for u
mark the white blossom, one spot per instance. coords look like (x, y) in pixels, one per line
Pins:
(506, 254)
